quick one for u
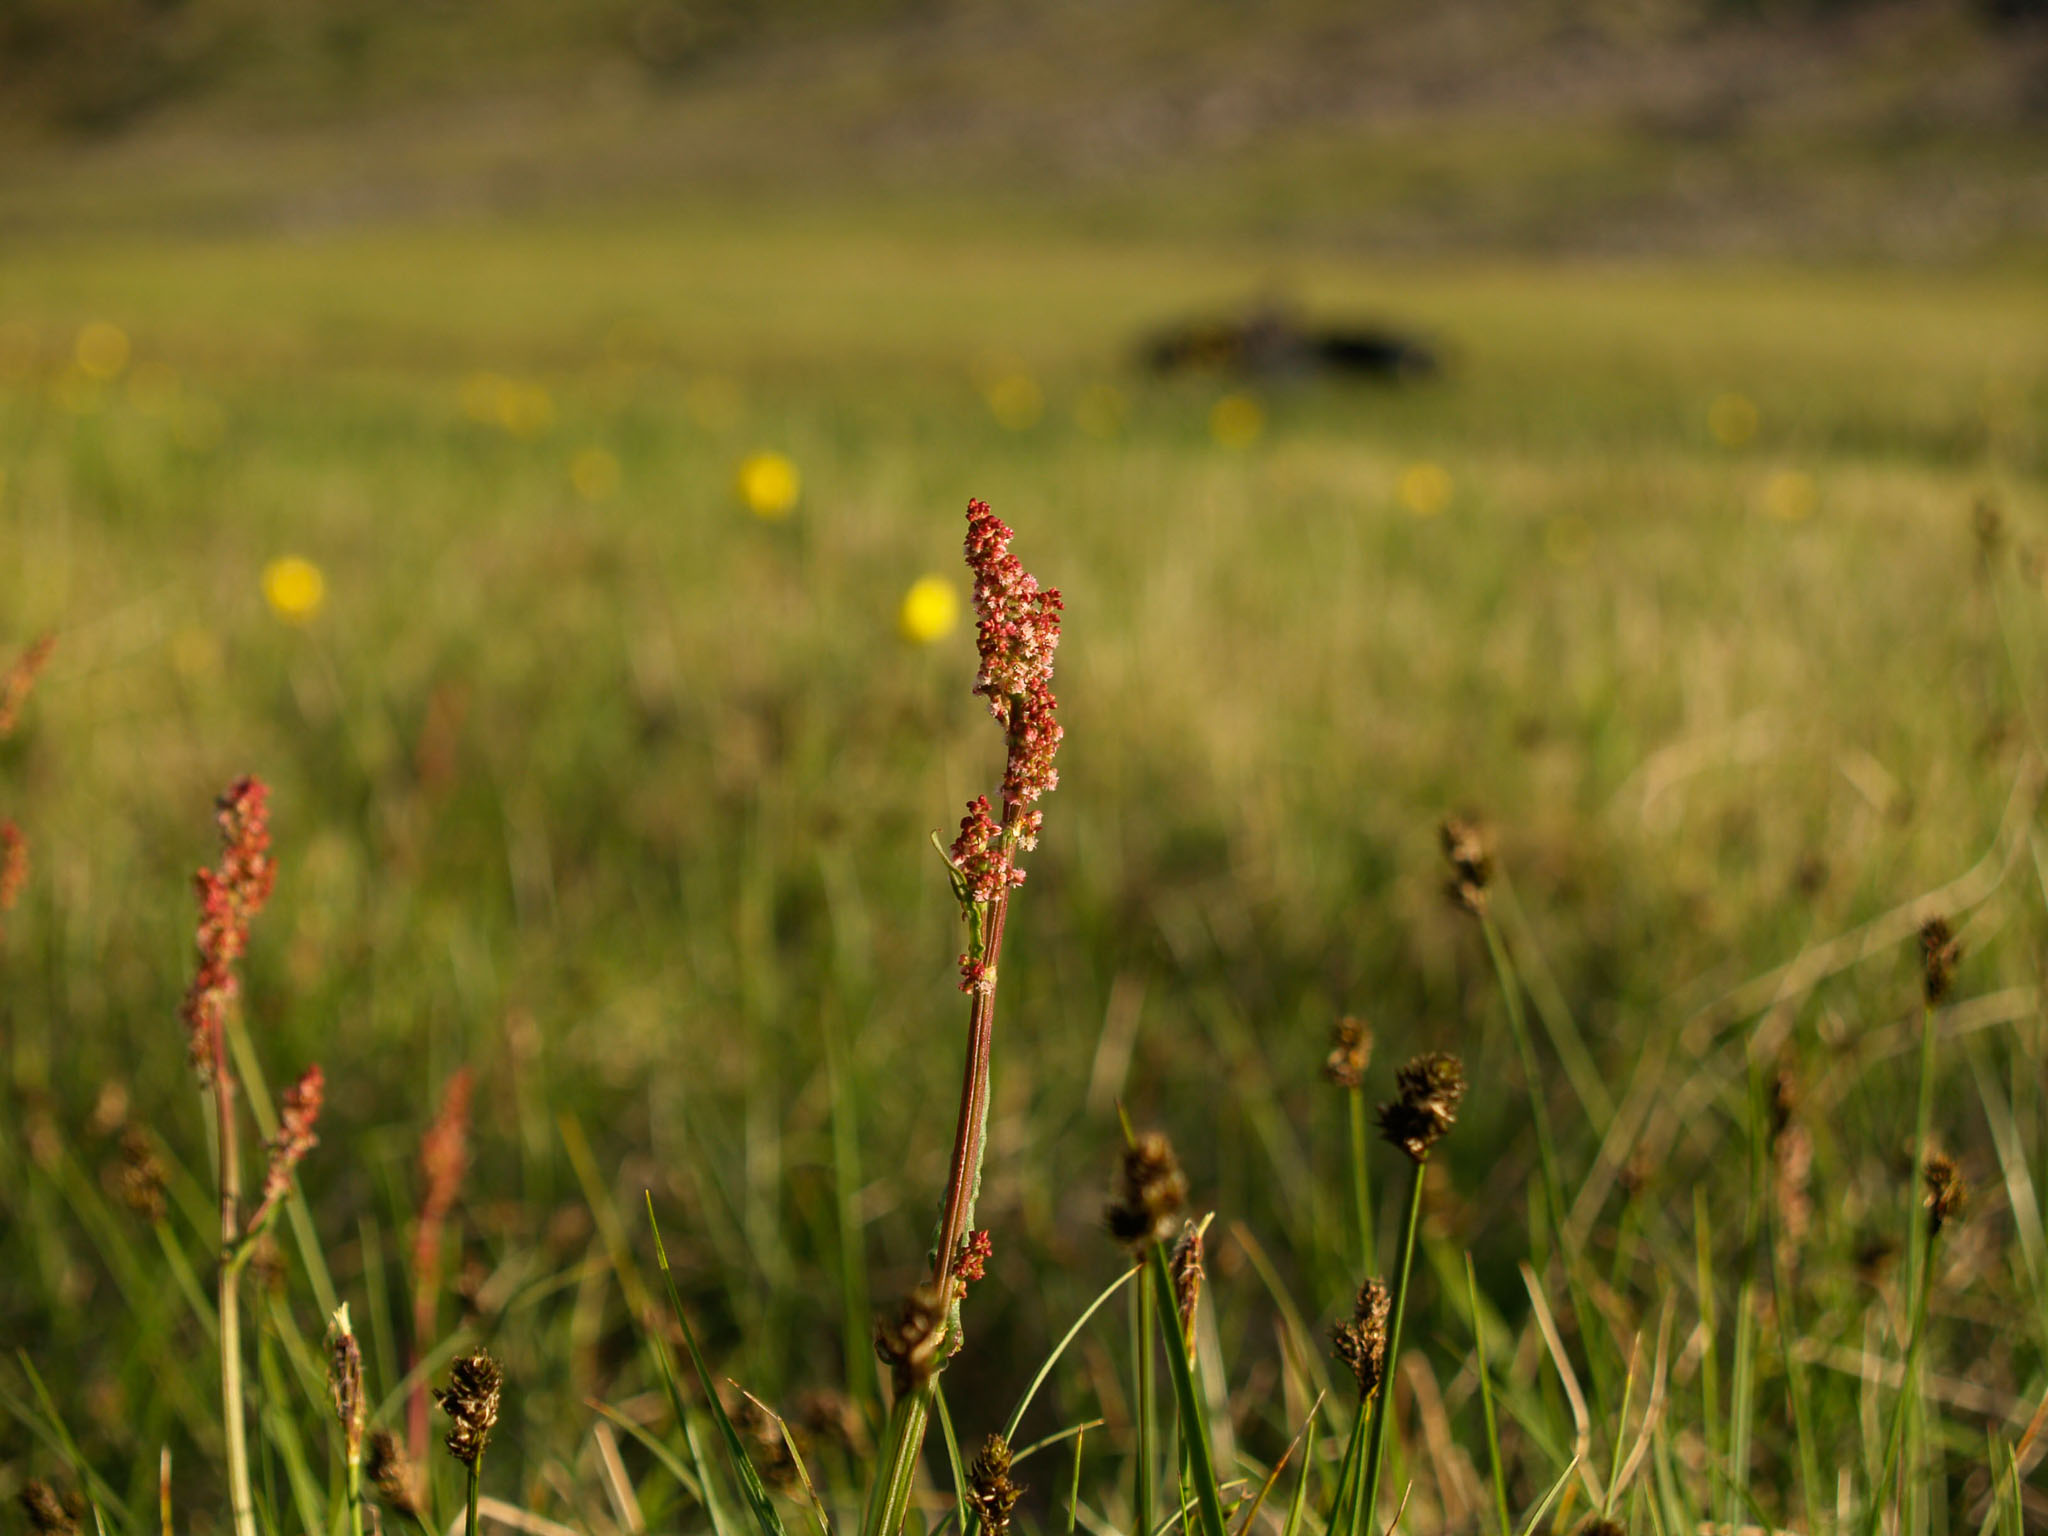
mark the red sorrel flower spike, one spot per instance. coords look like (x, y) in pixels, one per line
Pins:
(13, 864)
(230, 894)
(1017, 634)
(977, 853)
(21, 679)
(297, 1116)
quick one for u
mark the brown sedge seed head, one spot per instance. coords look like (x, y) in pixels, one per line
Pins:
(1940, 951)
(1430, 1086)
(471, 1402)
(1946, 1194)
(345, 1382)
(1361, 1343)
(391, 1474)
(1150, 1192)
(909, 1342)
(1471, 860)
(1350, 1052)
(990, 1493)
(1184, 1265)
(50, 1514)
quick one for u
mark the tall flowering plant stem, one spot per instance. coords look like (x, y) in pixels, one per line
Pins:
(230, 895)
(1017, 634)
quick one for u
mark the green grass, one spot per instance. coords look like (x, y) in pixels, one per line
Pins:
(624, 802)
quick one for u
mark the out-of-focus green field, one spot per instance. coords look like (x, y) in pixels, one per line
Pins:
(589, 778)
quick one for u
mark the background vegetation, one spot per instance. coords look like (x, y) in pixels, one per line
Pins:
(592, 781)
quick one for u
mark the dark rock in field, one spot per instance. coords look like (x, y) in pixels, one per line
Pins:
(1271, 342)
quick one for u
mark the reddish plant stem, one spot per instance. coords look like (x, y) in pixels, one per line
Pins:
(233, 1414)
(967, 1136)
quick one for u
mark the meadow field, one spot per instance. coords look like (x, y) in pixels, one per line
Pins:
(1714, 591)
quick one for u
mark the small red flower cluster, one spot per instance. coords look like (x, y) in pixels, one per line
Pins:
(13, 864)
(230, 895)
(1017, 633)
(297, 1116)
(21, 679)
(979, 856)
(972, 1263)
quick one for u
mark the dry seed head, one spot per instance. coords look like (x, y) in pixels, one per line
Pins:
(13, 865)
(471, 1402)
(1350, 1051)
(1600, 1525)
(1431, 1086)
(910, 1341)
(1471, 863)
(1151, 1189)
(140, 1177)
(1361, 1344)
(1947, 1194)
(345, 1382)
(990, 1493)
(1185, 1266)
(47, 1513)
(391, 1475)
(1940, 950)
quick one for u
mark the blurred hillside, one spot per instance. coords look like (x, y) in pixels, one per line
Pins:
(1806, 127)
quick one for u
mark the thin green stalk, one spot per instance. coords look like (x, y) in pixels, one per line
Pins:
(1532, 1075)
(1343, 1503)
(1896, 1434)
(1194, 1429)
(1741, 1402)
(1074, 1488)
(1141, 1370)
(896, 1472)
(1546, 1147)
(1500, 1480)
(234, 1415)
(1918, 1238)
(475, 1476)
(1783, 1299)
(1368, 1500)
(355, 1490)
(1361, 1194)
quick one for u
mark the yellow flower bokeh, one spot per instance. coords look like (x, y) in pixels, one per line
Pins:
(294, 588)
(1236, 421)
(930, 610)
(1733, 419)
(101, 350)
(1791, 496)
(1015, 400)
(769, 485)
(594, 473)
(1424, 488)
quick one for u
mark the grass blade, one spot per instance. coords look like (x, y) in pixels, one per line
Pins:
(1201, 1470)
(1045, 1370)
(756, 1492)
